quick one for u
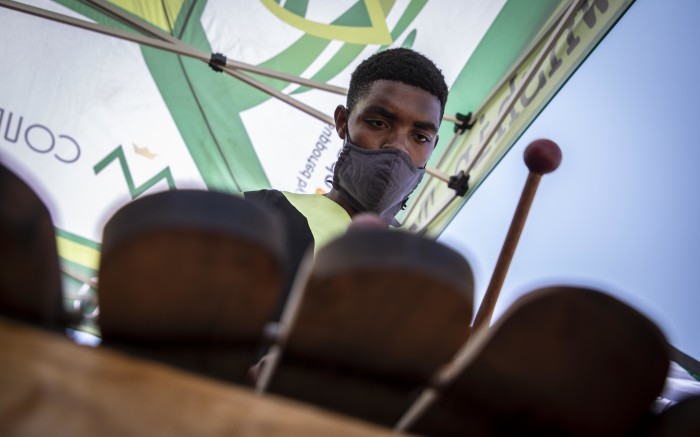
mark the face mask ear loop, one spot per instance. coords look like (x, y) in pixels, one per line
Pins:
(336, 183)
(347, 137)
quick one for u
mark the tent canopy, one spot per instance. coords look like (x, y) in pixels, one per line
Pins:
(116, 99)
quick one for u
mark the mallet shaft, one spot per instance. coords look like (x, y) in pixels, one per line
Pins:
(483, 316)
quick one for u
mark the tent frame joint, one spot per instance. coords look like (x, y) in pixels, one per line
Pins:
(459, 183)
(217, 62)
(465, 123)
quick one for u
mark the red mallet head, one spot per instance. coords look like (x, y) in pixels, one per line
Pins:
(542, 156)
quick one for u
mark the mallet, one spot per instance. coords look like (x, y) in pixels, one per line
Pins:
(542, 156)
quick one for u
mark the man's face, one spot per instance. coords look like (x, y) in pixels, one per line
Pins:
(393, 115)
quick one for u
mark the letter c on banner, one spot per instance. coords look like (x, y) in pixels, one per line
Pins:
(77, 150)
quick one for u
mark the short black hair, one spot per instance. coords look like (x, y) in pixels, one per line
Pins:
(400, 65)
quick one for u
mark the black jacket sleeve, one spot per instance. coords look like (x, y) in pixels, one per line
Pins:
(299, 236)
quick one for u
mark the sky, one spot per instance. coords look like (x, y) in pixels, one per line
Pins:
(622, 212)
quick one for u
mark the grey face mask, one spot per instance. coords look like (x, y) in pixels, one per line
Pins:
(377, 181)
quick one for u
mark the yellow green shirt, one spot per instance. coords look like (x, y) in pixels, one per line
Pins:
(327, 220)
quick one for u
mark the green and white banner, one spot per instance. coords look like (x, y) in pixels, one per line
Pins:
(92, 121)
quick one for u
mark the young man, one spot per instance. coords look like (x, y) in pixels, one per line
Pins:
(395, 104)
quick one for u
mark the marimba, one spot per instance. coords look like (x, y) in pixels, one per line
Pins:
(377, 328)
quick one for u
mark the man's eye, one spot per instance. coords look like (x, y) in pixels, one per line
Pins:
(422, 138)
(376, 123)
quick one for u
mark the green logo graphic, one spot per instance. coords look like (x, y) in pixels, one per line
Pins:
(118, 154)
(376, 33)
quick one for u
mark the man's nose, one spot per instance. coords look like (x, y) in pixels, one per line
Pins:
(396, 140)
